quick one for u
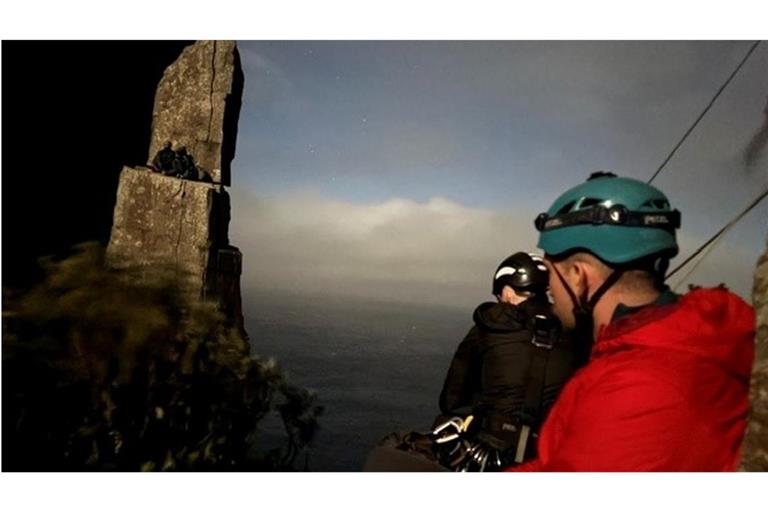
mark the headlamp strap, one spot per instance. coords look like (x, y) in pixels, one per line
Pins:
(616, 215)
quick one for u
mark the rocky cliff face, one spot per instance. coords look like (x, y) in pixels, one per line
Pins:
(755, 449)
(179, 224)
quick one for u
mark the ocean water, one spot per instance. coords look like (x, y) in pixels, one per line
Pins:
(376, 366)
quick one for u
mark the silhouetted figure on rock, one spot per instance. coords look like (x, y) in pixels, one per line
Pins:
(164, 159)
(184, 165)
(180, 164)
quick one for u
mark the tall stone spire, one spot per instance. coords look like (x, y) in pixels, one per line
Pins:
(178, 224)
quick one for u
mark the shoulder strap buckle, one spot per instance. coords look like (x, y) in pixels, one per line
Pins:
(544, 332)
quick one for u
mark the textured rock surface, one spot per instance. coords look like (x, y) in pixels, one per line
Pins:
(755, 449)
(163, 221)
(179, 226)
(197, 105)
(225, 284)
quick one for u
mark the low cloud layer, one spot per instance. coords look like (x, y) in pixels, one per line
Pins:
(436, 252)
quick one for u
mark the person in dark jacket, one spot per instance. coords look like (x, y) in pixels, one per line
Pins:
(184, 165)
(500, 384)
(163, 161)
(508, 370)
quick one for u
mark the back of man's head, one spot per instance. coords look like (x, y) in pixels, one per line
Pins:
(641, 277)
(607, 236)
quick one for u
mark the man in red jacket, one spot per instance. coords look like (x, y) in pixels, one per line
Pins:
(664, 384)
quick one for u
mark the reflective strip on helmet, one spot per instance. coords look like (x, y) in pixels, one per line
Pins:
(505, 271)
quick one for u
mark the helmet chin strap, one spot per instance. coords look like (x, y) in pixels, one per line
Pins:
(583, 314)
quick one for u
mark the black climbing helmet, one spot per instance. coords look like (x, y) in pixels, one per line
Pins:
(524, 272)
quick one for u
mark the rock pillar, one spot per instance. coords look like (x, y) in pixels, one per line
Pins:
(181, 224)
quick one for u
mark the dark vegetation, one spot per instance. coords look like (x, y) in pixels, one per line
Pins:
(116, 370)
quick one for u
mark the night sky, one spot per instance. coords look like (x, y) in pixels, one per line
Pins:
(408, 170)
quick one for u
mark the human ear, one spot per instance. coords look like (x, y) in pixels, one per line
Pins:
(578, 278)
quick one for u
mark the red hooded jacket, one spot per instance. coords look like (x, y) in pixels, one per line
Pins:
(665, 390)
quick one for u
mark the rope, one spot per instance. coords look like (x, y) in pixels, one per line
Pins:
(704, 112)
(725, 228)
(696, 265)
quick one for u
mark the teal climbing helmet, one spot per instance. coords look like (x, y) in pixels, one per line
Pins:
(619, 220)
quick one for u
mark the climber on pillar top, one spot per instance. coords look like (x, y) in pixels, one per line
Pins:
(163, 161)
(179, 164)
(184, 164)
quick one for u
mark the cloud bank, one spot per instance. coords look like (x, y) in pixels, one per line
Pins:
(434, 252)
